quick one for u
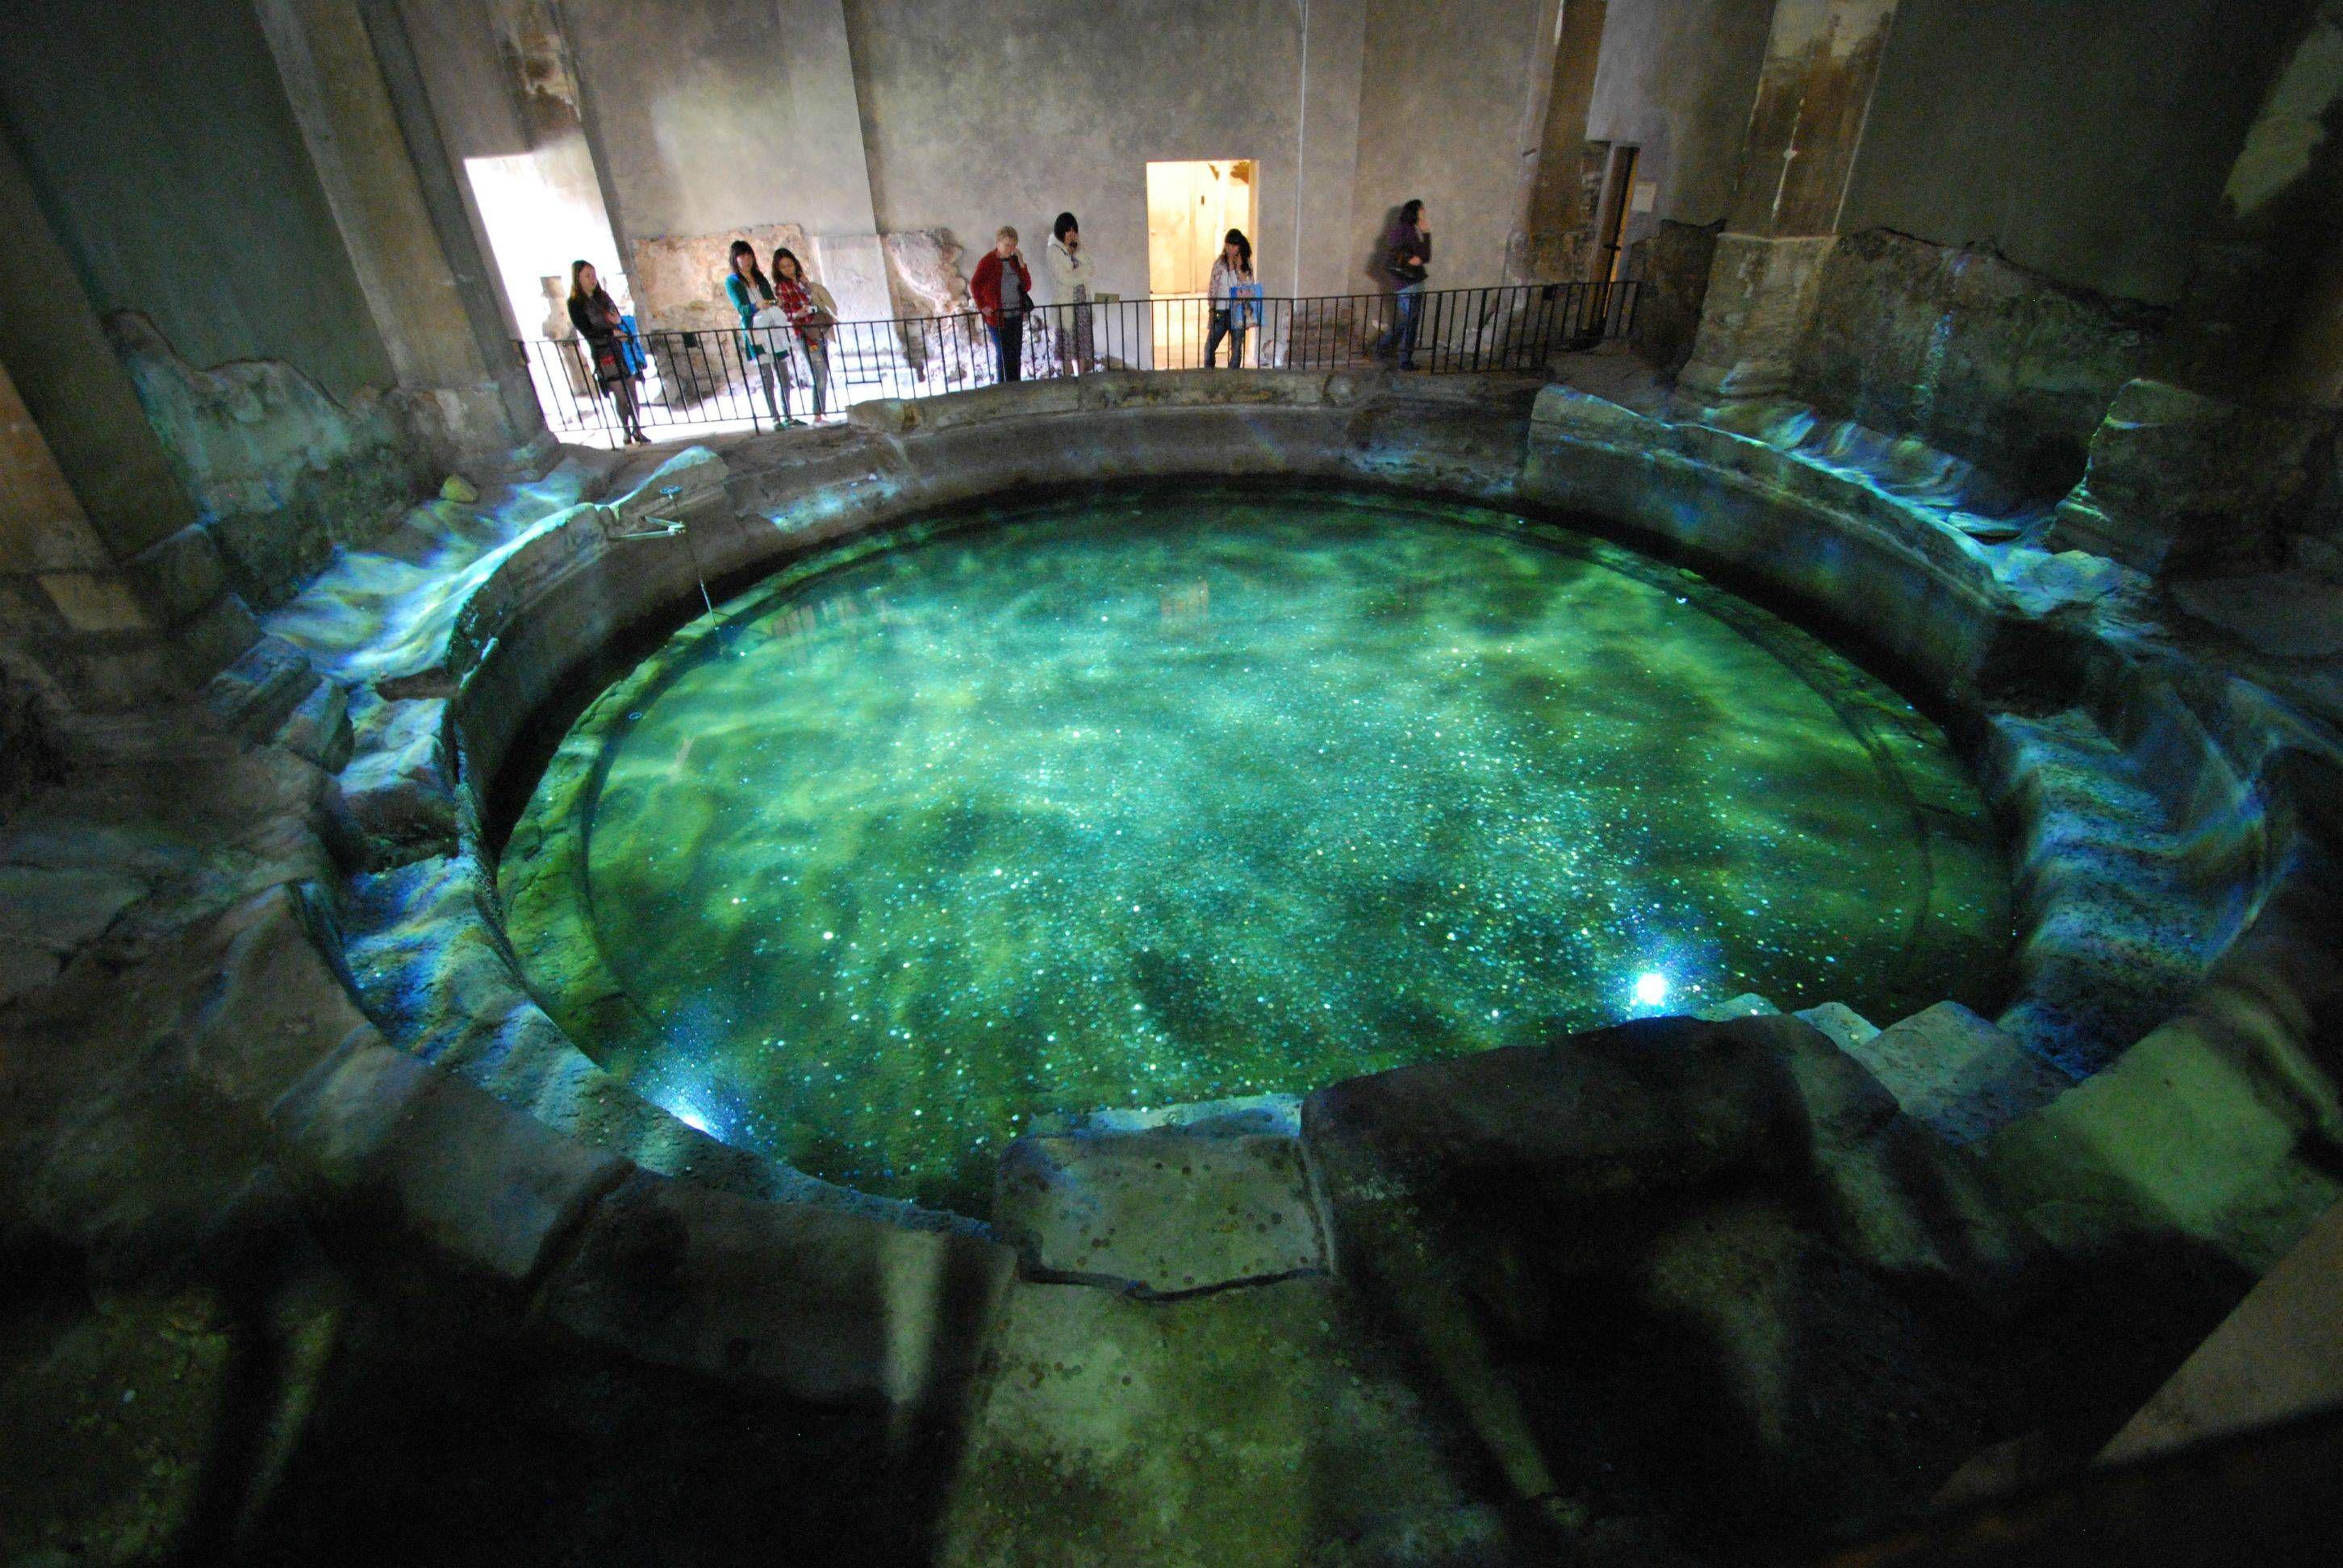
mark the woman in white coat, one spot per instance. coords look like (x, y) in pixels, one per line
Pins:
(1069, 279)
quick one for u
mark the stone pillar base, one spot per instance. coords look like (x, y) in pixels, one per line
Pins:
(486, 432)
(1761, 296)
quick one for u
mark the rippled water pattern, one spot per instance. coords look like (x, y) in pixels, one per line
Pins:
(1172, 796)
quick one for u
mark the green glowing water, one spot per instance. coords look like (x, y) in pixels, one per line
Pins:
(1176, 796)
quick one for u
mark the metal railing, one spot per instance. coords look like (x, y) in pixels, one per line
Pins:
(710, 380)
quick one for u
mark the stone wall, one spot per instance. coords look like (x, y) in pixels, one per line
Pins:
(2087, 142)
(167, 160)
(1675, 82)
(1975, 354)
(679, 279)
(281, 472)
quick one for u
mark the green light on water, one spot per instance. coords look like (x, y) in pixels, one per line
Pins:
(1174, 796)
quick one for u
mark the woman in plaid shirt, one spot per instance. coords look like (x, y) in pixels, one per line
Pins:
(802, 301)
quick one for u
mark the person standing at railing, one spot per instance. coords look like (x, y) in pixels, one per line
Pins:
(747, 286)
(1003, 292)
(1406, 260)
(1236, 299)
(596, 316)
(807, 306)
(1069, 279)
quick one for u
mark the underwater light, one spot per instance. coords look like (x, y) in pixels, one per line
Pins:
(1651, 989)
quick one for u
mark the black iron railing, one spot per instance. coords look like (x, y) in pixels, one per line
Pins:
(717, 379)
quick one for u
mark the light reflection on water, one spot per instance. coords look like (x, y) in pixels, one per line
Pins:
(1176, 796)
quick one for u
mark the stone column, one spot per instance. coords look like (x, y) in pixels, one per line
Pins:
(414, 273)
(1554, 237)
(1326, 147)
(838, 210)
(1822, 61)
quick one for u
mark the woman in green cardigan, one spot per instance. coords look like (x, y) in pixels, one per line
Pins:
(750, 292)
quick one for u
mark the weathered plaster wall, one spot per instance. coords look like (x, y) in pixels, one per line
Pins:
(1015, 111)
(2088, 142)
(847, 116)
(1675, 81)
(691, 112)
(506, 98)
(1442, 92)
(166, 157)
(168, 165)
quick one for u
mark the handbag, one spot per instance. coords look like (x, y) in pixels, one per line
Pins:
(773, 330)
(1245, 304)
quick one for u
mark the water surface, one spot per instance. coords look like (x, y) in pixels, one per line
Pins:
(1175, 795)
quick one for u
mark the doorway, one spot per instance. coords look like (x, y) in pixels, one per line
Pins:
(1618, 194)
(1190, 206)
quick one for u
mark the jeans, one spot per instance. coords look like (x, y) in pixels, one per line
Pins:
(1236, 337)
(1009, 338)
(1401, 338)
(816, 368)
(767, 377)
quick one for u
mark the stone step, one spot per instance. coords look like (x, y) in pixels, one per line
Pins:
(1274, 1424)
(1748, 1004)
(2128, 929)
(1176, 1377)
(396, 784)
(253, 696)
(1951, 1069)
(1846, 1028)
(1947, 1067)
(319, 728)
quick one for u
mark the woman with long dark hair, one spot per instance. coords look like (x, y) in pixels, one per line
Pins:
(1405, 261)
(747, 286)
(1069, 273)
(805, 303)
(1236, 299)
(595, 316)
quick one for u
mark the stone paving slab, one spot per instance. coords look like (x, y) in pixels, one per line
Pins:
(1161, 1210)
(1269, 1426)
(46, 914)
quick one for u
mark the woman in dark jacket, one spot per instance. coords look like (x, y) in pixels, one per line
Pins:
(1405, 262)
(595, 316)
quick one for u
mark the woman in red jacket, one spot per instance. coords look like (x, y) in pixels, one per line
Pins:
(1003, 291)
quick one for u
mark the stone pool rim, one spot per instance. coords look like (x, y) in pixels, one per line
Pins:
(1735, 507)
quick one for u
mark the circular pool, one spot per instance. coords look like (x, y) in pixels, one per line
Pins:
(1164, 795)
